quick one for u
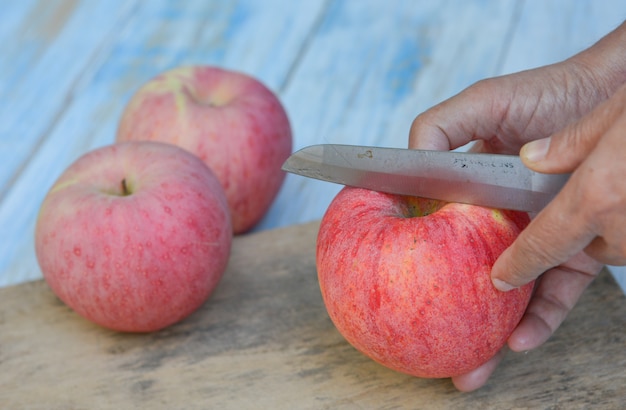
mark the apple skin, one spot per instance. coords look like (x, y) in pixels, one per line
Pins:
(414, 292)
(235, 124)
(140, 261)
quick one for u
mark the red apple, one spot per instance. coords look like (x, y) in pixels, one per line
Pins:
(134, 236)
(231, 121)
(407, 280)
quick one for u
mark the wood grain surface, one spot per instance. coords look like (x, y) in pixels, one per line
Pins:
(264, 341)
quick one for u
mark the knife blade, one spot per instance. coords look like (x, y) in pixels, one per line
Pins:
(490, 180)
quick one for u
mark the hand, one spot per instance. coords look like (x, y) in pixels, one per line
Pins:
(503, 114)
(590, 212)
(588, 215)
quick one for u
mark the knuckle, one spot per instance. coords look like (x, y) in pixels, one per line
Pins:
(608, 250)
(530, 258)
(600, 196)
(426, 133)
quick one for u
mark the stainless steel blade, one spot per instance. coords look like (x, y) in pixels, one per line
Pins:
(491, 180)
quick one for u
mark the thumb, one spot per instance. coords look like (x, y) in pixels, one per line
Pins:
(557, 233)
(565, 150)
(552, 238)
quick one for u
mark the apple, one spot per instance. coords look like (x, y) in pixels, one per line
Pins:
(134, 236)
(235, 124)
(406, 280)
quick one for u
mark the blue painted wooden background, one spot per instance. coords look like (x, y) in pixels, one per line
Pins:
(351, 71)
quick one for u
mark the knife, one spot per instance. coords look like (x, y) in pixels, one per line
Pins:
(490, 180)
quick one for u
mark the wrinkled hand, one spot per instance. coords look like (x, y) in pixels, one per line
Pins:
(501, 114)
(585, 225)
(590, 212)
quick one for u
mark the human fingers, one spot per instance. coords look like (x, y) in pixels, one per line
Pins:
(553, 237)
(603, 194)
(435, 130)
(507, 111)
(477, 378)
(569, 147)
(556, 293)
(474, 112)
(588, 213)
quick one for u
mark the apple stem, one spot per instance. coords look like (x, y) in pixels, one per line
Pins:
(125, 190)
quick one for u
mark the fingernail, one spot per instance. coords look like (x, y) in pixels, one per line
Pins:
(502, 285)
(537, 150)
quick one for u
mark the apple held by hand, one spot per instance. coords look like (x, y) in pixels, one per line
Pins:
(235, 124)
(407, 280)
(134, 236)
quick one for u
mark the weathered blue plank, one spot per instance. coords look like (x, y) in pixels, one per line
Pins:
(549, 31)
(17, 43)
(81, 110)
(43, 76)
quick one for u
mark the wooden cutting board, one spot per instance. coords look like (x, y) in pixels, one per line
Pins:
(264, 340)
